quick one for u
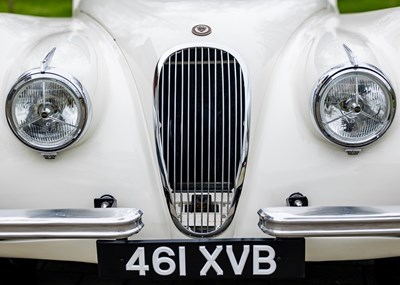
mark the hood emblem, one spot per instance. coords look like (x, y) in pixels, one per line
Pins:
(201, 30)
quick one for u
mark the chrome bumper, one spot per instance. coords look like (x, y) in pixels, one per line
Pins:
(70, 223)
(288, 222)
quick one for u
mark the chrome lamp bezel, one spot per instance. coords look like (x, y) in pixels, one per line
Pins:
(68, 82)
(326, 82)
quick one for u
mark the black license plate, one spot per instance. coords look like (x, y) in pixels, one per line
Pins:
(198, 259)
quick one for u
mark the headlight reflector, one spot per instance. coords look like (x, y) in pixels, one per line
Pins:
(354, 105)
(48, 111)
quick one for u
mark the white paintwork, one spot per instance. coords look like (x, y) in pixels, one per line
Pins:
(113, 47)
(75, 4)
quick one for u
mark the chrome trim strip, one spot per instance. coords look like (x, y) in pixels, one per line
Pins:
(69, 223)
(330, 221)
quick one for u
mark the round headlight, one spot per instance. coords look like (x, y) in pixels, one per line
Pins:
(48, 111)
(353, 106)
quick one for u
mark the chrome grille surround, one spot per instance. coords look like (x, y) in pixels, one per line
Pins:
(202, 139)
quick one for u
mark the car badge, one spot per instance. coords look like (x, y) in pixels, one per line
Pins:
(201, 30)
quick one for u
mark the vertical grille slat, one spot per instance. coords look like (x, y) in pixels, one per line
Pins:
(215, 131)
(209, 133)
(202, 138)
(188, 137)
(175, 120)
(167, 122)
(235, 116)
(223, 146)
(229, 127)
(195, 131)
(182, 130)
(200, 104)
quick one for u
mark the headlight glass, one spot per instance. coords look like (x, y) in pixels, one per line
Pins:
(47, 111)
(353, 106)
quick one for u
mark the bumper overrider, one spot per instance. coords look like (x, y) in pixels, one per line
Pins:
(70, 223)
(330, 221)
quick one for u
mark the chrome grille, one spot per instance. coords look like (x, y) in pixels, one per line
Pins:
(201, 131)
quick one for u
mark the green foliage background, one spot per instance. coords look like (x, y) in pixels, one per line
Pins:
(46, 8)
(350, 6)
(63, 8)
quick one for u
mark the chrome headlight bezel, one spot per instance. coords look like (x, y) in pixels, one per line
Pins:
(328, 80)
(73, 87)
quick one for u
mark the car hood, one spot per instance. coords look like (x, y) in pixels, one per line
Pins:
(255, 31)
(157, 25)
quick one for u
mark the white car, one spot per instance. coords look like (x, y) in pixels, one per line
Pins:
(200, 139)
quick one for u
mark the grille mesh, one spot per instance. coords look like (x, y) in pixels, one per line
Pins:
(200, 110)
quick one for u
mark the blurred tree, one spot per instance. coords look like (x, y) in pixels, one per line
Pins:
(11, 6)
